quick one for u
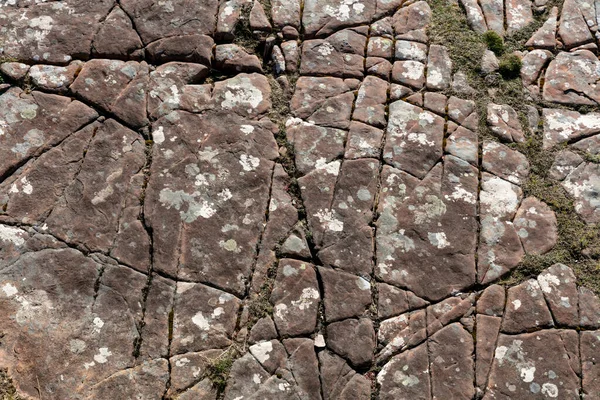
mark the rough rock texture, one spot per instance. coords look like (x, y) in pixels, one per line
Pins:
(247, 199)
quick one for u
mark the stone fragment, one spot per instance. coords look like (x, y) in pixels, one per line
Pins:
(204, 318)
(192, 48)
(258, 18)
(304, 365)
(410, 22)
(489, 62)
(353, 340)
(403, 331)
(504, 122)
(370, 102)
(565, 162)
(523, 367)
(408, 50)
(533, 64)
(439, 68)
(286, 13)
(463, 143)
(295, 298)
(558, 285)
(500, 248)
(146, 380)
(339, 381)
(117, 38)
(346, 295)
(572, 28)
(568, 126)
(545, 36)
(589, 309)
(475, 15)
(188, 367)
(323, 18)
(461, 85)
(379, 67)
(526, 308)
(271, 355)
(590, 363)
(491, 301)
(363, 141)
(505, 162)
(413, 138)
(341, 55)
(296, 245)
(380, 47)
(409, 73)
(233, 58)
(291, 55)
(53, 78)
(314, 145)
(487, 334)
(536, 226)
(584, 185)
(518, 15)
(571, 79)
(14, 70)
(117, 87)
(406, 376)
(263, 330)
(245, 378)
(393, 301)
(493, 10)
(203, 390)
(451, 367)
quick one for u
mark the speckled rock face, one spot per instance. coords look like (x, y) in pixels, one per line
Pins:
(308, 200)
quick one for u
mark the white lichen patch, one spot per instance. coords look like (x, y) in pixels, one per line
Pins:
(12, 234)
(9, 289)
(438, 239)
(327, 219)
(261, 351)
(248, 162)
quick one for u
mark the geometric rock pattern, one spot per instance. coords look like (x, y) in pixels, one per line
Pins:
(177, 221)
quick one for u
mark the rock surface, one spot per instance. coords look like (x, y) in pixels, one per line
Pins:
(297, 200)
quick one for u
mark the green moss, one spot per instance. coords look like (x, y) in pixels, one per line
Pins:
(219, 368)
(7, 389)
(510, 66)
(494, 42)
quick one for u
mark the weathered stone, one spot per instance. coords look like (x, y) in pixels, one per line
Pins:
(461, 85)
(323, 18)
(291, 55)
(491, 301)
(403, 331)
(505, 163)
(410, 22)
(573, 29)
(584, 185)
(533, 64)
(493, 10)
(117, 38)
(439, 68)
(545, 37)
(489, 62)
(286, 13)
(339, 381)
(271, 355)
(258, 19)
(475, 16)
(410, 73)
(526, 308)
(370, 102)
(314, 145)
(363, 141)
(568, 126)
(14, 70)
(571, 77)
(518, 15)
(346, 295)
(204, 318)
(451, 367)
(590, 363)
(565, 162)
(463, 144)
(487, 334)
(203, 390)
(245, 378)
(393, 301)
(188, 367)
(353, 339)
(263, 330)
(504, 122)
(536, 226)
(589, 309)
(406, 376)
(380, 47)
(233, 58)
(379, 67)
(341, 54)
(189, 48)
(560, 291)
(295, 298)
(296, 245)
(409, 237)
(524, 367)
(413, 138)
(304, 365)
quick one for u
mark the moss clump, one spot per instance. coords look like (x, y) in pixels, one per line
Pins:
(494, 42)
(7, 389)
(219, 368)
(510, 66)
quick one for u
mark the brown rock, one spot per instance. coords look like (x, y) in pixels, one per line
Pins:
(536, 226)
(353, 339)
(346, 295)
(526, 308)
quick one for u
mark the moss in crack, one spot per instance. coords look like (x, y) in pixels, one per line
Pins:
(244, 37)
(220, 367)
(7, 389)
